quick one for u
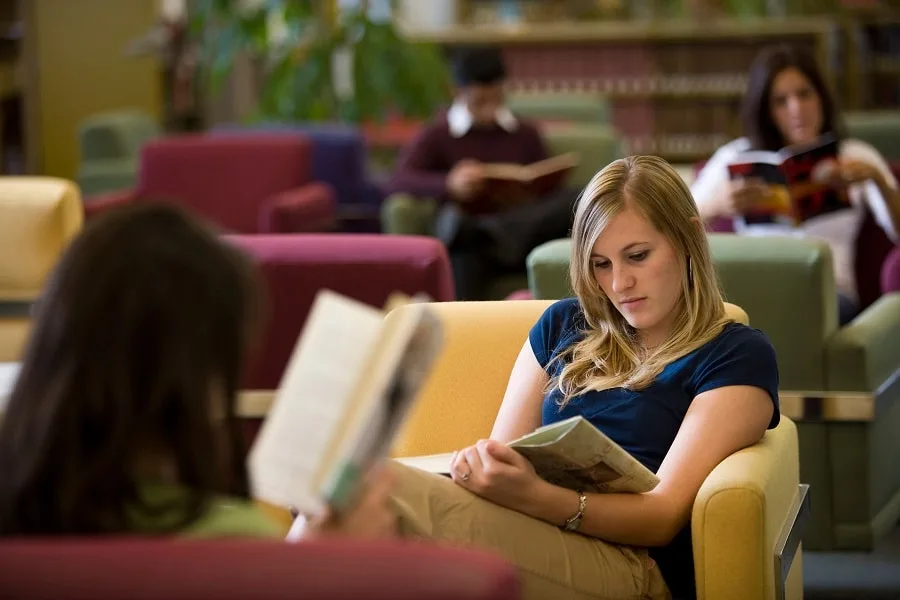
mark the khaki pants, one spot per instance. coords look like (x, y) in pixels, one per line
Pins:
(553, 564)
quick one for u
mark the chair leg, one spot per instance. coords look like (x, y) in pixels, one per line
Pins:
(789, 540)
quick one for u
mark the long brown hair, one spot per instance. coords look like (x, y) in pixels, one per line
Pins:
(756, 109)
(141, 331)
(608, 355)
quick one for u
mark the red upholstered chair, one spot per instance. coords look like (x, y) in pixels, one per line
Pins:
(247, 183)
(367, 267)
(132, 569)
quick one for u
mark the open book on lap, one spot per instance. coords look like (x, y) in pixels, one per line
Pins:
(572, 454)
(510, 182)
(799, 178)
(346, 390)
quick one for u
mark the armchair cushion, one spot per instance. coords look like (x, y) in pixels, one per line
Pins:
(132, 569)
(305, 209)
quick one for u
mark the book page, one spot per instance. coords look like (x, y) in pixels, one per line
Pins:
(511, 172)
(9, 372)
(310, 407)
(576, 455)
(553, 164)
(407, 349)
(433, 463)
(526, 173)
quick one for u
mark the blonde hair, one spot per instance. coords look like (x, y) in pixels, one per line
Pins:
(609, 354)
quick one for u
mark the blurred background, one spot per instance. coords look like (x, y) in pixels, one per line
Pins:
(667, 74)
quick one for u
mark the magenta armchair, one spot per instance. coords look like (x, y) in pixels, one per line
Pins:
(137, 569)
(367, 267)
(258, 183)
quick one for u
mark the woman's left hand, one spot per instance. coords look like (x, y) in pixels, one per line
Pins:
(855, 171)
(495, 472)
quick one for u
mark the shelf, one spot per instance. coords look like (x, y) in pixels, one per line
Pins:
(653, 87)
(636, 31)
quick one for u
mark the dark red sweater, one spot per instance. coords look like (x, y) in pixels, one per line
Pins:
(423, 166)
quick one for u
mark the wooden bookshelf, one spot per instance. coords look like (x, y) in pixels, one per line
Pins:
(674, 87)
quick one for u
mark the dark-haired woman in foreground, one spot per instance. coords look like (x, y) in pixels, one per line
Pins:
(122, 419)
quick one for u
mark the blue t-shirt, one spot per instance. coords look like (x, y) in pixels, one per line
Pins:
(646, 422)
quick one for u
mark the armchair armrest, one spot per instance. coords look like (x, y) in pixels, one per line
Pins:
(744, 511)
(303, 209)
(864, 354)
(97, 204)
(548, 270)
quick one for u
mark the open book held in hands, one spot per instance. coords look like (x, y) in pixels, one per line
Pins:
(799, 178)
(510, 182)
(572, 454)
(345, 392)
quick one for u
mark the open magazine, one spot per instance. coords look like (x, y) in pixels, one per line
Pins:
(571, 453)
(799, 179)
(505, 182)
(347, 388)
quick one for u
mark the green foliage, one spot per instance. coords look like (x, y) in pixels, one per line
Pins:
(389, 74)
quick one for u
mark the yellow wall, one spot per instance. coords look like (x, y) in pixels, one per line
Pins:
(82, 69)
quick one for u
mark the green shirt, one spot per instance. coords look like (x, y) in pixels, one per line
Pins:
(226, 517)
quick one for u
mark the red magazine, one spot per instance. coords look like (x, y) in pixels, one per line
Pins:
(799, 178)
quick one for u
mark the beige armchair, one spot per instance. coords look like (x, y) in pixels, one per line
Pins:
(747, 517)
(38, 218)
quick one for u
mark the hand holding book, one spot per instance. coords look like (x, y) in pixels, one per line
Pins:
(571, 453)
(495, 472)
(744, 195)
(800, 180)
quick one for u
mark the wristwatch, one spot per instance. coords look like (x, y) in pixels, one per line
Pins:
(574, 522)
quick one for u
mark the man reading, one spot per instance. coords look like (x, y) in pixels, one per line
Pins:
(488, 229)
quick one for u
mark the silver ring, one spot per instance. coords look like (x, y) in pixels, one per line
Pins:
(465, 476)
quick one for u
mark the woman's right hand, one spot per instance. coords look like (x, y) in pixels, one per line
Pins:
(370, 518)
(741, 195)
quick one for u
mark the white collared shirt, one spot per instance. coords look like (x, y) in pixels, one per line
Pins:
(460, 120)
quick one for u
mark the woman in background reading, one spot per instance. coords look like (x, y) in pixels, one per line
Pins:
(122, 419)
(644, 352)
(788, 103)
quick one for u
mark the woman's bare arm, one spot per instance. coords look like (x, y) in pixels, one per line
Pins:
(718, 423)
(520, 411)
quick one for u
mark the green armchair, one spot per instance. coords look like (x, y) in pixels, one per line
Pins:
(881, 129)
(110, 145)
(841, 385)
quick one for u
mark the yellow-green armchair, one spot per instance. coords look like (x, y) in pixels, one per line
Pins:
(747, 517)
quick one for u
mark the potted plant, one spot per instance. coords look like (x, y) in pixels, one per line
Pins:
(317, 63)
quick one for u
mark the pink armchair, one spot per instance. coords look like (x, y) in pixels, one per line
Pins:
(367, 267)
(137, 569)
(259, 183)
